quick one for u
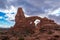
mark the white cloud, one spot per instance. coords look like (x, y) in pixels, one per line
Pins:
(54, 15)
(27, 15)
(9, 11)
(36, 3)
(54, 12)
(10, 0)
(4, 26)
(12, 9)
(1, 17)
(10, 16)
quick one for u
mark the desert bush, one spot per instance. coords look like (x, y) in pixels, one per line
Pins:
(42, 30)
(21, 38)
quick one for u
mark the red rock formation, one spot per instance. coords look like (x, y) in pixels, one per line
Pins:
(19, 16)
(23, 22)
(26, 27)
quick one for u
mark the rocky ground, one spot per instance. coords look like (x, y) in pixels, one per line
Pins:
(31, 28)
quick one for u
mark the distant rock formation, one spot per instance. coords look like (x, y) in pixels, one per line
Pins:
(33, 28)
(22, 21)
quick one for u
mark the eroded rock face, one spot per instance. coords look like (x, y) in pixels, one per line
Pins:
(19, 16)
(24, 24)
(27, 27)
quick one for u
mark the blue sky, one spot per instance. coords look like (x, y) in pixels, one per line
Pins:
(42, 8)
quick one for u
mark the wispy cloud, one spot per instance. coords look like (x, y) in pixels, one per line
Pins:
(43, 8)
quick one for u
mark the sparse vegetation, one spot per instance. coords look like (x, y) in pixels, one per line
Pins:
(5, 38)
(27, 32)
(50, 32)
(21, 38)
(42, 30)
